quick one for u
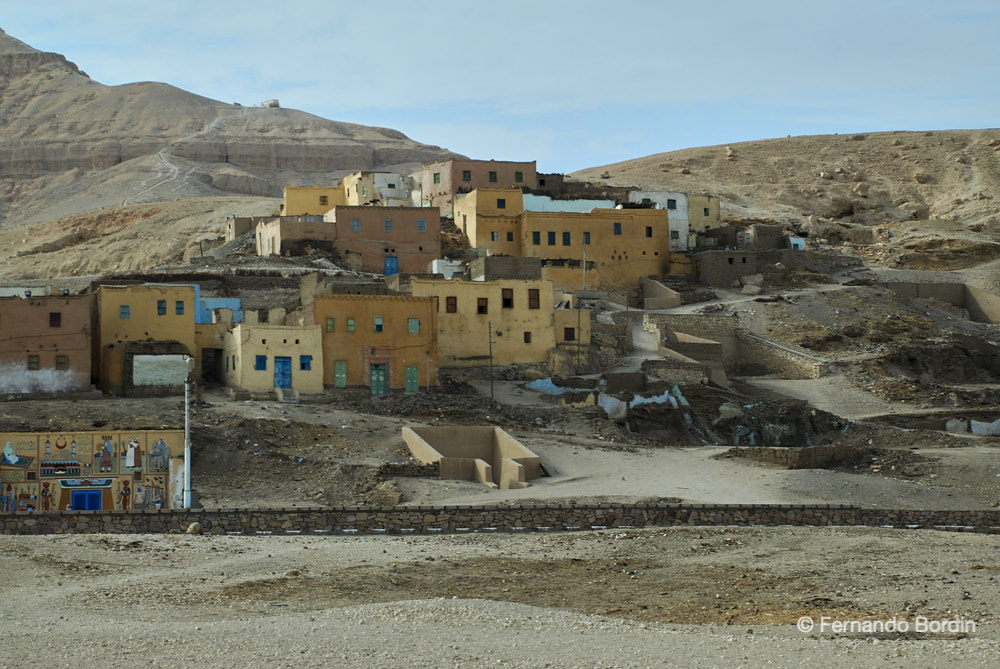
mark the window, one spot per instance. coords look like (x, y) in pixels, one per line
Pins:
(413, 325)
(706, 211)
(322, 199)
(536, 238)
(305, 362)
(421, 226)
(179, 307)
(674, 234)
(62, 362)
(519, 177)
(565, 239)
(552, 238)
(260, 363)
(55, 319)
(355, 225)
(451, 304)
(569, 334)
(364, 191)
(483, 305)
(493, 177)
(393, 186)
(387, 225)
(501, 203)
(161, 307)
(618, 228)
(124, 312)
(378, 324)
(533, 298)
(586, 238)
(507, 298)
(510, 236)
(671, 203)
(494, 236)
(647, 201)
(466, 175)
(649, 231)
(32, 362)
(437, 177)
(527, 337)
(329, 325)
(350, 325)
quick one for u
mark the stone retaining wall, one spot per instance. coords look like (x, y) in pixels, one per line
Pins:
(774, 358)
(403, 520)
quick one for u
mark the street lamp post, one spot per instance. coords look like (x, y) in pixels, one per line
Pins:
(189, 364)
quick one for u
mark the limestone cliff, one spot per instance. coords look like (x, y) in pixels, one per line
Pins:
(65, 137)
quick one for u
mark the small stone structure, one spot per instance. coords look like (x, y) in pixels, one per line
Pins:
(485, 454)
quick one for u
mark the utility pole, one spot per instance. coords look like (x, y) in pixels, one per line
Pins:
(489, 338)
(189, 364)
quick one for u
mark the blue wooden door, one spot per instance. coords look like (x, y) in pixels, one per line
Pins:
(86, 500)
(391, 265)
(282, 372)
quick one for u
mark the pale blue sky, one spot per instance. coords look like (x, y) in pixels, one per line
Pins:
(571, 84)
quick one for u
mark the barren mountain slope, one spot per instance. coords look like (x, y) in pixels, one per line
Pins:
(136, 238)
(950, 175)
(70, 144)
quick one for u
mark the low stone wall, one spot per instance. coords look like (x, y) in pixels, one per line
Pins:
(392, 470)
(457, 519)
(676, 371)
(755, 351)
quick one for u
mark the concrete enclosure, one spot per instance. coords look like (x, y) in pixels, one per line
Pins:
(485, 454)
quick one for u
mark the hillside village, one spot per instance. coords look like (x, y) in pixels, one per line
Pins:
(391, 284)
(659, 409)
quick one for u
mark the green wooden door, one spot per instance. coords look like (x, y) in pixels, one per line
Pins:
(340, 373)
(379, 379)
(412, 379)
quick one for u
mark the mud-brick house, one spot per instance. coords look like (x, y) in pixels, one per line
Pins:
(381, 189)
(382, 342)
(618, 246)
(261, 357)
(507, 322)
(45, 343)
(91, 471)
(441, 181)
(314, 200)
(144, 331)
(387, 240)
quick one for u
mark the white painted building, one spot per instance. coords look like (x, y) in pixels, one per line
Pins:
(678, 208)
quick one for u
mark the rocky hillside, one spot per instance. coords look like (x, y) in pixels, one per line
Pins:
(69, 144)
(852, 182)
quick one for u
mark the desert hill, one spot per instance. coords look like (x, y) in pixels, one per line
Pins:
(69, 144)
(949, 175)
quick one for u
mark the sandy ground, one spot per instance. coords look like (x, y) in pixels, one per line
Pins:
(680, 597)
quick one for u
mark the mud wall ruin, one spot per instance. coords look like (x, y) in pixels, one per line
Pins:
(718, 342)
(983, 306)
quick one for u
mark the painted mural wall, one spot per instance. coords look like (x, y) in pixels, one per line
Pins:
(84, 471)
